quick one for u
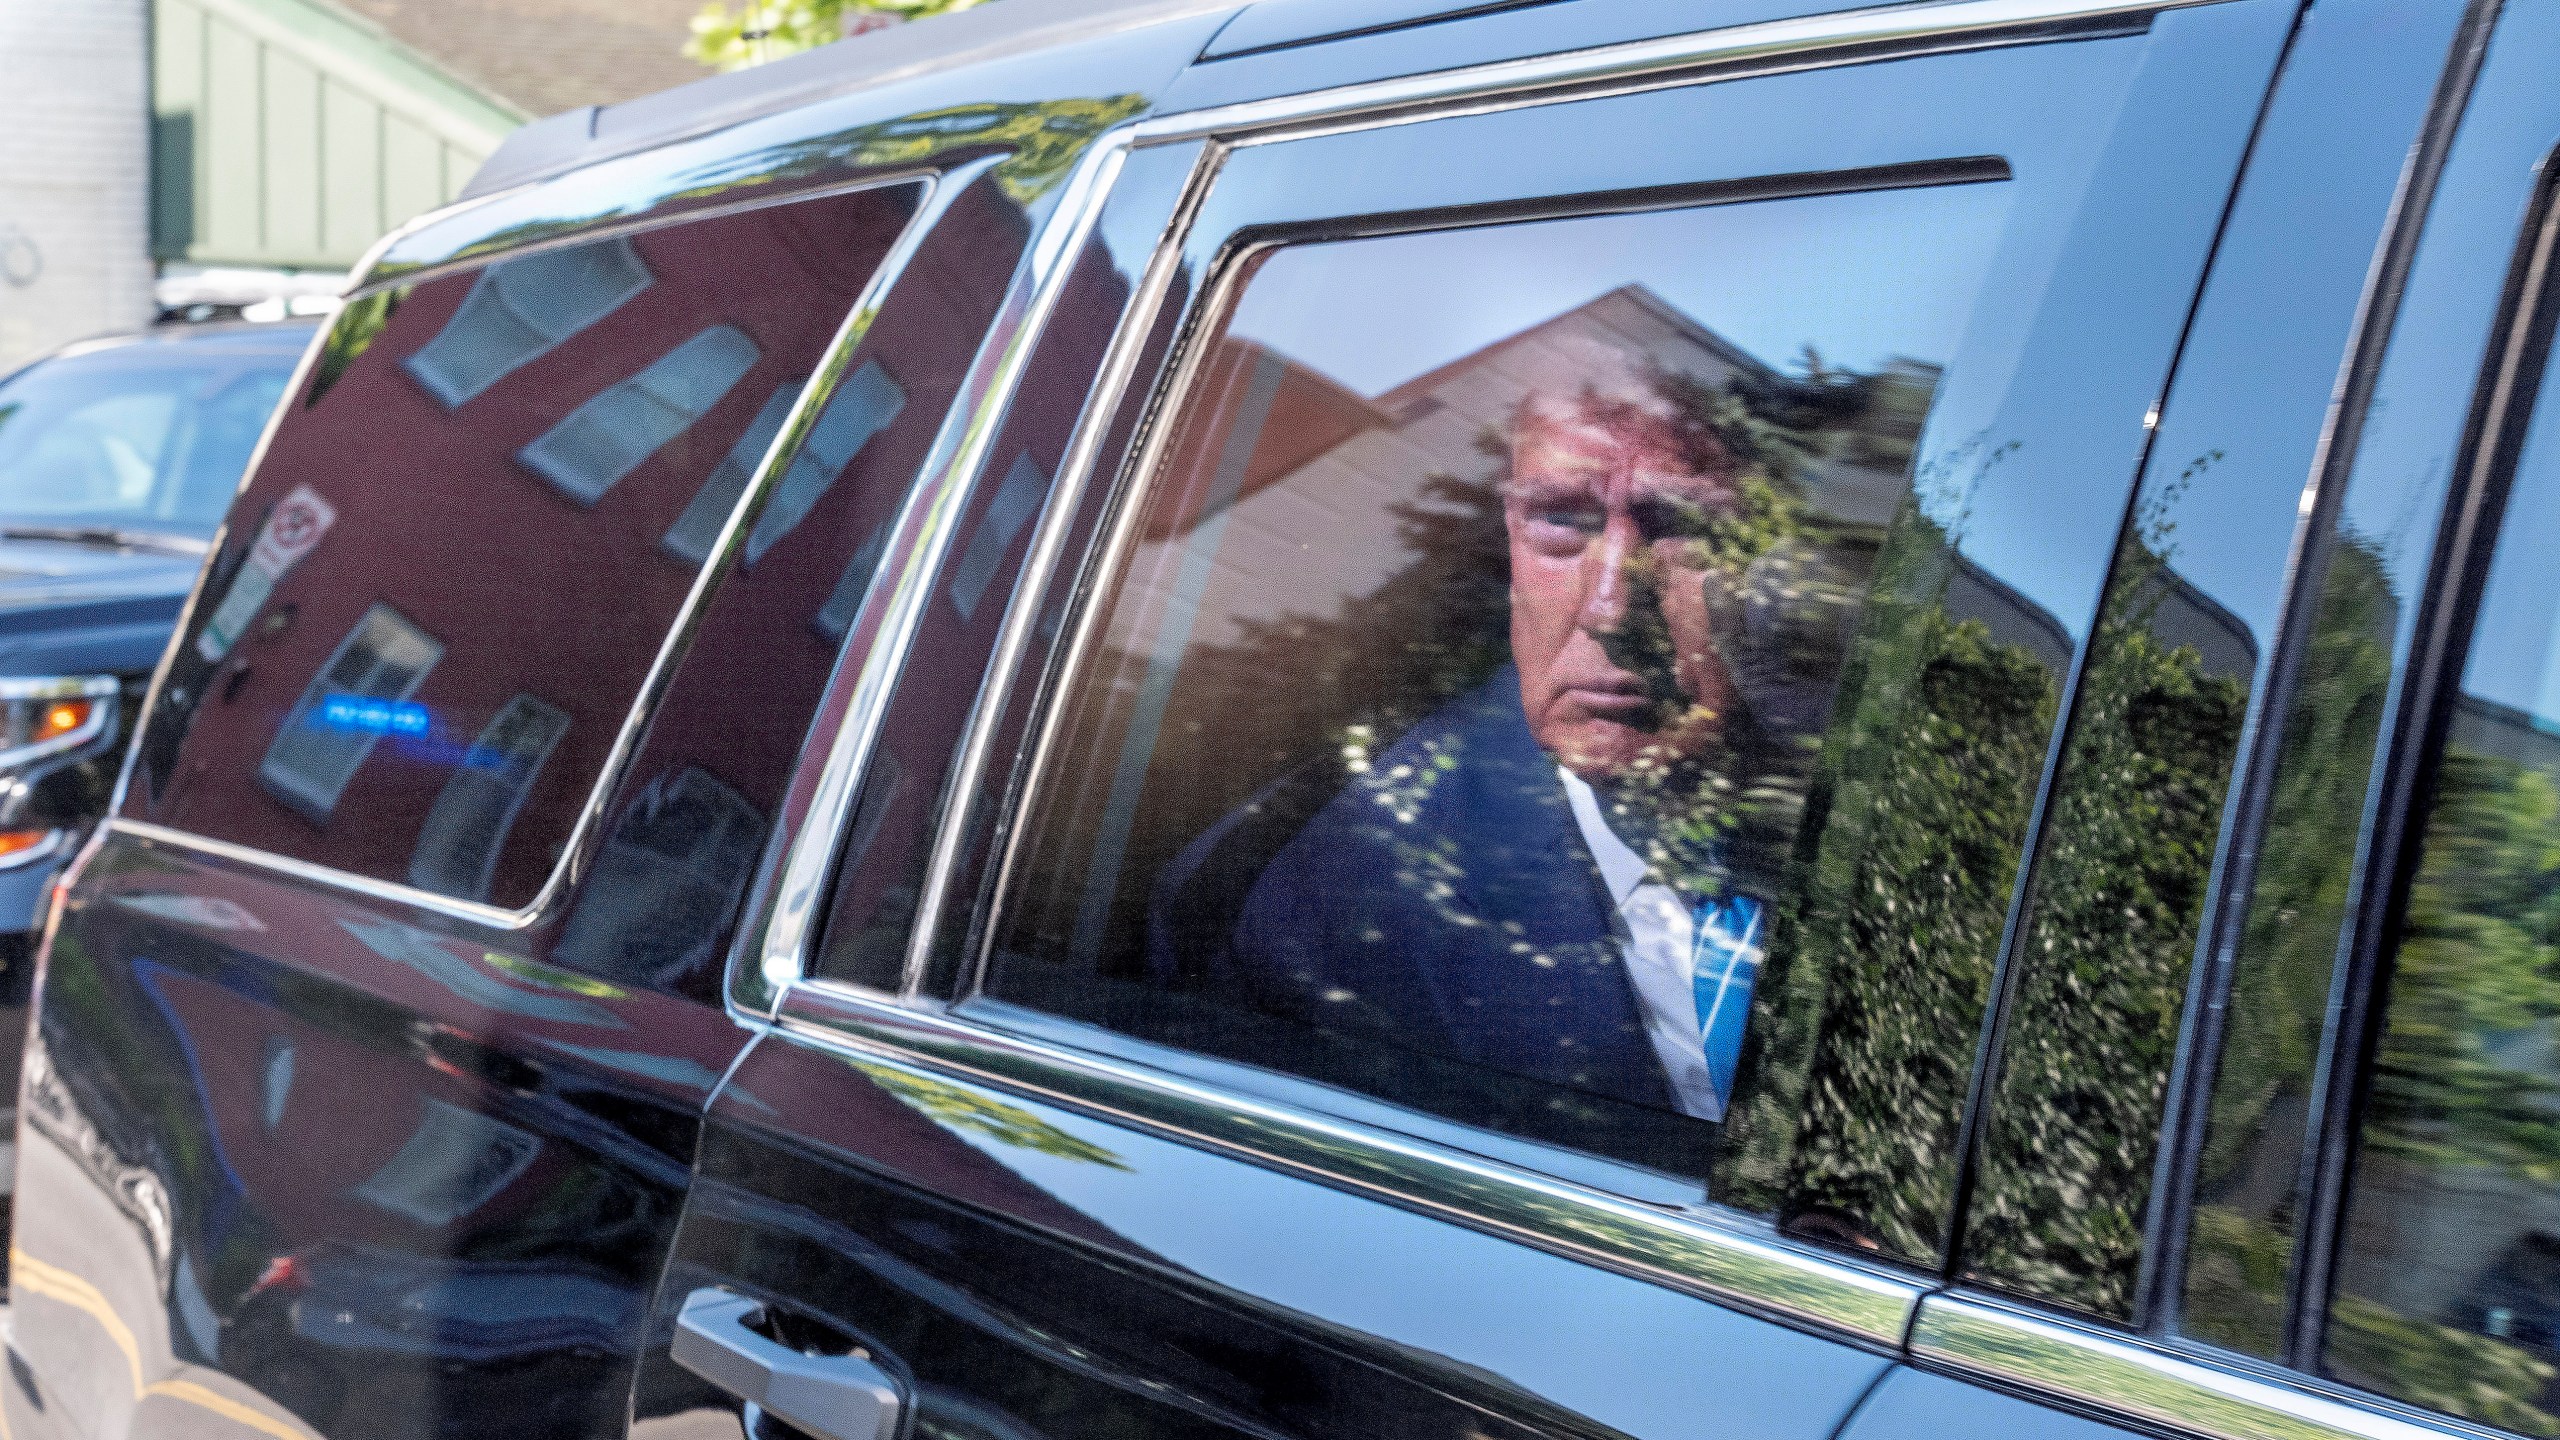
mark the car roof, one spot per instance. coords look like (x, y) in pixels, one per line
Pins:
(576, 138)
(283, 337)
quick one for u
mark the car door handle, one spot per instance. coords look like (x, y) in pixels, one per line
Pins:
(839, 1397)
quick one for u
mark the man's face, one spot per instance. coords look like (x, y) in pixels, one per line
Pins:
(1608, 514)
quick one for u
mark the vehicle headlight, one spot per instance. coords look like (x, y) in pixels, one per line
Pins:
(46, 721)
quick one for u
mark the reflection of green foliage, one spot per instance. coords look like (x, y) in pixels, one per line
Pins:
(1042, 142)
(965, 1107)
(2110, 941)
(1775, 423)
(751, 32)
(550, 977)
(360, 322)
(1849, 1111)
(1881, 970)
(2479, 961)
(2460, 1093)
(2489, 1380)
(2287, 950)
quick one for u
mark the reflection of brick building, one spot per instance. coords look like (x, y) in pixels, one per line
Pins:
(740, 704)
(504, 514)
(1357, 459)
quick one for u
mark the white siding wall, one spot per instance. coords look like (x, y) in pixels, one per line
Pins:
(74, 171)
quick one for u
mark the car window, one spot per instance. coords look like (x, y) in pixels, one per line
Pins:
(2448, 1290)
(442, 592)
(157, 443)
(1474, 686)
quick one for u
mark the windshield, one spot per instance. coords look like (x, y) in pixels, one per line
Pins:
(148, 438)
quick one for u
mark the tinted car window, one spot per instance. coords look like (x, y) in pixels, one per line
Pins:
(140, 437)
(442, 591)
(2448, 1289)
(1454, 722)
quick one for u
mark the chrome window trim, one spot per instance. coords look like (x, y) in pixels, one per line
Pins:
(1047, 550)
(894, 608)
(369, 278)
(940, 189)
(2117, 1376)
(1722, 1256)
(1769, 47)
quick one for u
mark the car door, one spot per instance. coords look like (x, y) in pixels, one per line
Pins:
(1512, 572)
(2351, 1231)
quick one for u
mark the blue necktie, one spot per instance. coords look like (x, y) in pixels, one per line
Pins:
(1724, 961)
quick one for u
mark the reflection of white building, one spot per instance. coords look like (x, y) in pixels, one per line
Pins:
(193, 156)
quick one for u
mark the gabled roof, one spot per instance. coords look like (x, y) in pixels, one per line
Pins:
(545, 56)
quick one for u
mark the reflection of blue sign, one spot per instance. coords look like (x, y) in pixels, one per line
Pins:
(369, 716)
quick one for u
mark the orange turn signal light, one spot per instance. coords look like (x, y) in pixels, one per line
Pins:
(60, 717)
(18, 842)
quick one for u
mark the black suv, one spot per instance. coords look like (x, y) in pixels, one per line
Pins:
(1373, 717)
(117, 460)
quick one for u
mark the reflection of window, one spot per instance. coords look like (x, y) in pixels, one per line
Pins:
(611, 434)
(861, 408)
(667, 881)
(1368, 778)
(498, 556)
(836, 616)
(458, 846)
(315, 753)
(691, 537)
(518, 309)
(1017, 500)
(456, 1161)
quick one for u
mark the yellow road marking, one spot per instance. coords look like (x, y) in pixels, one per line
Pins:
(36, 1277)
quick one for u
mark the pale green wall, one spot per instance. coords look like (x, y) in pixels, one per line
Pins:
(288, 133)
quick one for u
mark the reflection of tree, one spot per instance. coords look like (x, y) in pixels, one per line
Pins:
(359, 323)
(1042, 140)
(2454, 1099)
(752, 32)
(963, 1107)
(2479, 960)
(2120, 892)
(2243, 1240)
(2441, 1367)
(1881, 968)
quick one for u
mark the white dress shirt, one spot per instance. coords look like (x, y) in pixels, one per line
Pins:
(1661, 952)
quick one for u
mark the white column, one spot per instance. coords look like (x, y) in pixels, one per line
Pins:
(75, 250)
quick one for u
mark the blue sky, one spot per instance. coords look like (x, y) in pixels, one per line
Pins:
(1864, 277)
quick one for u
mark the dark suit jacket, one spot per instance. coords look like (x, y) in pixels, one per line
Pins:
(1444, 901)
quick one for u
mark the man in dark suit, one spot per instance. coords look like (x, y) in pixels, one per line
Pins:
(1532, 878)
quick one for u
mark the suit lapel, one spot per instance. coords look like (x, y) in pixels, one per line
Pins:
(1542, 965)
